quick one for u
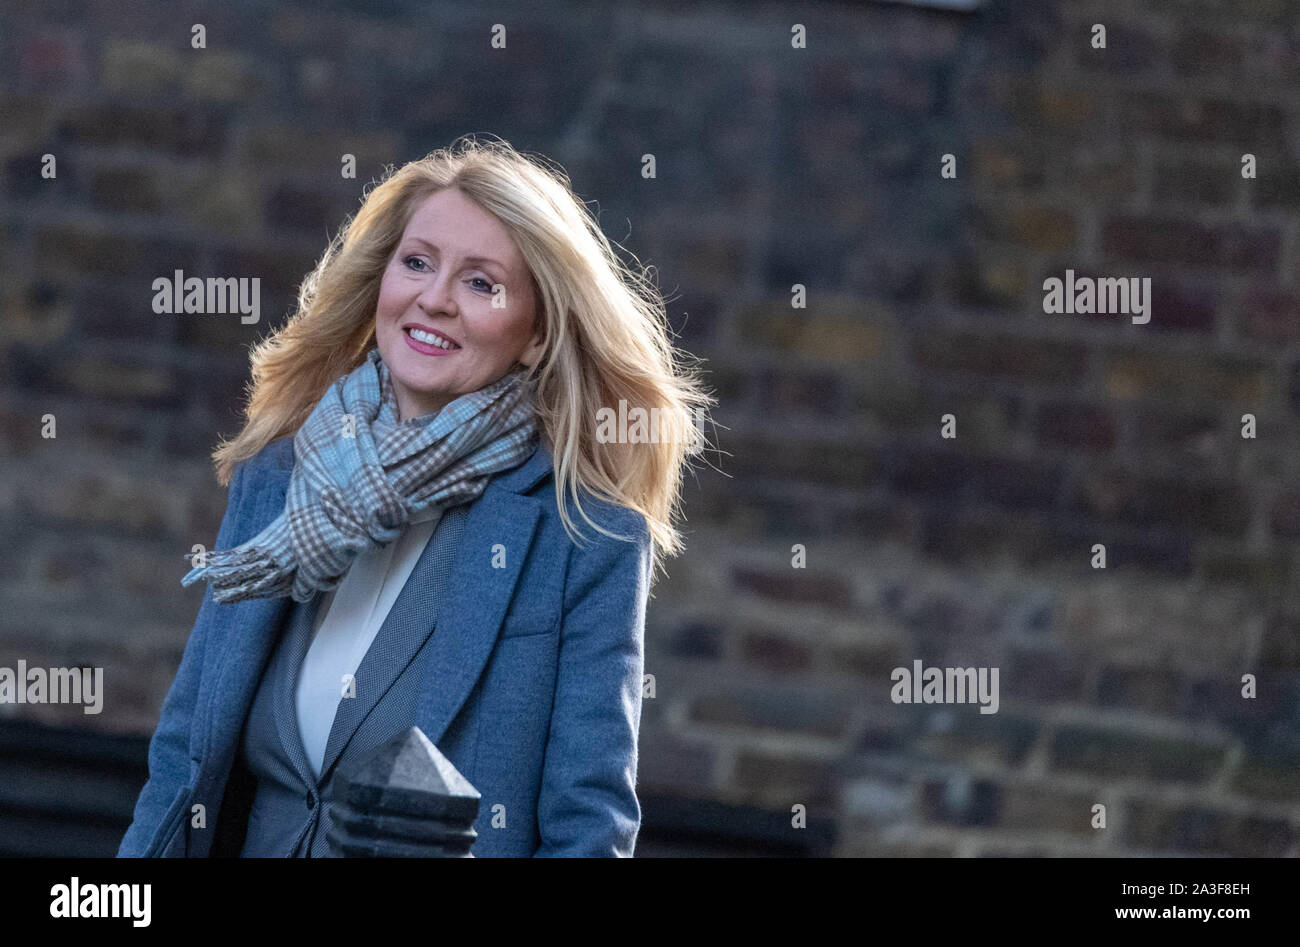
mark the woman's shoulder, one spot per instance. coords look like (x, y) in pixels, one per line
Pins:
(626, 523)
(276, 455)
(535, 477)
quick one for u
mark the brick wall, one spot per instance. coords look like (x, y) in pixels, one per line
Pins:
(820, 166)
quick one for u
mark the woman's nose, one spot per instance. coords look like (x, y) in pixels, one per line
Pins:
(436, 297)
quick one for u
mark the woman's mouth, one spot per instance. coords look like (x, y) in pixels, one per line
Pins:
(429, 343)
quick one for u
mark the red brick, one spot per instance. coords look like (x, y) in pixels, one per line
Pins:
(1175, 240)
(775, 652)
(1270, 316)
(795, 585)
(1005, 356)
(1075, 424)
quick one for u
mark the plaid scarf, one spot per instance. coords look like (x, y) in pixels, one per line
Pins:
(357, 482)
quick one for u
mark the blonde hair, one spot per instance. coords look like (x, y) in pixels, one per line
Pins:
(604, 326)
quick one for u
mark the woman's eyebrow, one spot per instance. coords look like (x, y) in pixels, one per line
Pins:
(468, 259)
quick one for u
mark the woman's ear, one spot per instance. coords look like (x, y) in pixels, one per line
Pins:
(532, 353)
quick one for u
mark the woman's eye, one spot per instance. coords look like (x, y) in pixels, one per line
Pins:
(408, 260)
(486, 284)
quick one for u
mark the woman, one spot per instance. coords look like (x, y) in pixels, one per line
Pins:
(425, 527)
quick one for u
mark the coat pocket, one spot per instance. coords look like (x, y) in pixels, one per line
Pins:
(172, 822)
(526, 622)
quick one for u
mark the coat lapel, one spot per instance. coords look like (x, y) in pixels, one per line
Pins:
(475, 603)
(404, 631)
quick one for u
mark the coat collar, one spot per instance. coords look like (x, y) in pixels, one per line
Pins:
(527, 475)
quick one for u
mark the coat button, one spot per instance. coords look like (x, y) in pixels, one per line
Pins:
(311, 800)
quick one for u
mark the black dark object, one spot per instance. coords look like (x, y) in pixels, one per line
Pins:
(404, 800)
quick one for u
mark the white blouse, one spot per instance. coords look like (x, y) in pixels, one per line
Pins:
(347, 621)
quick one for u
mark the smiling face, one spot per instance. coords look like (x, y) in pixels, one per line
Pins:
(439, 282)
